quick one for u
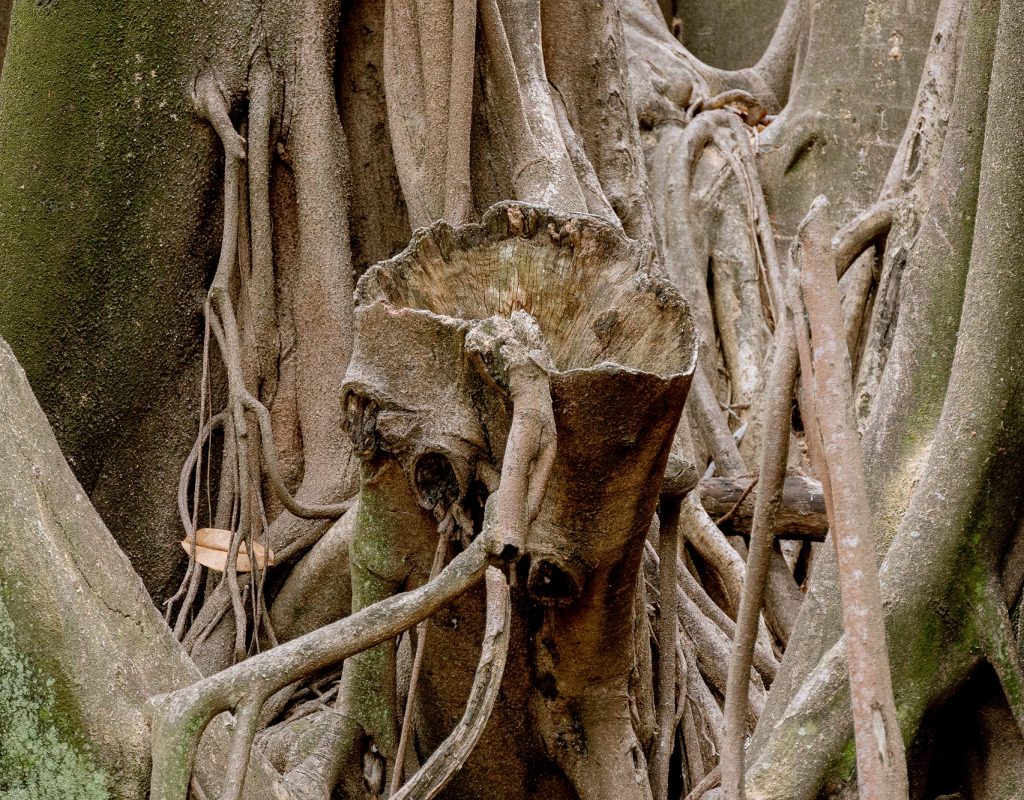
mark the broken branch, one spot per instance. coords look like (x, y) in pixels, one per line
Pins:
(801, 513)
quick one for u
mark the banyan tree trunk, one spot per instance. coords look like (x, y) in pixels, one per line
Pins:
(523, 376)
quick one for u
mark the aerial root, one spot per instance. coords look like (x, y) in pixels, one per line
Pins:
(710, 781)
(511, 354)
(449, 757)
(774, 453)
(417, 665)
(667, 718)
(876, 727)
(870, 226)
(709, 541)
(714, 428)
(248, 272)
(702, 641)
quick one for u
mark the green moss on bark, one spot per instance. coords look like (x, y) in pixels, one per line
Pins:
(95, 135)
(37, 760)
(109, 185)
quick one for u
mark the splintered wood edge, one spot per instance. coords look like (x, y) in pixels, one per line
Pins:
(511, 220)
(586, 235)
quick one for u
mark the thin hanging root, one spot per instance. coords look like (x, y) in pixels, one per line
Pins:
(417, 665)
(448, 759)
(190, 583)
(188, 523)
(179, 718)
(731, 136)
(221, 320)
(774, 453)
(667, 624)
(241, 457)
(288, 500)
(225, 329)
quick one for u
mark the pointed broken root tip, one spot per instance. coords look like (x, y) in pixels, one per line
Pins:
(819, 206)
(237, 148)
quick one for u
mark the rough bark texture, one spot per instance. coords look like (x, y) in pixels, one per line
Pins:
(188, 195)
(729, 35)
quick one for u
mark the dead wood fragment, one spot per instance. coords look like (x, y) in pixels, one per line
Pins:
(735, 506)
(801, 513)
(507, 357)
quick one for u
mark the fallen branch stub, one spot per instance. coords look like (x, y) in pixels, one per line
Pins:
(801, 512)
(536, 346)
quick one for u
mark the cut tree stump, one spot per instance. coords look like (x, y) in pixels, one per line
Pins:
(534, 360)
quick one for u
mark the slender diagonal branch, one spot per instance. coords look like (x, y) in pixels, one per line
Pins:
(881, 760)
(774, 453)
